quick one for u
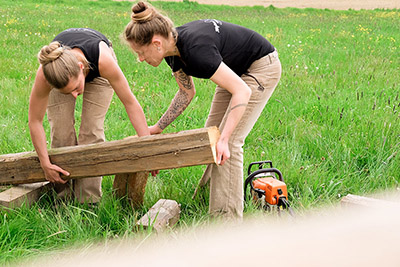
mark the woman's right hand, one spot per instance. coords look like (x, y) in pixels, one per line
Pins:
(52, 173)
(155, 129)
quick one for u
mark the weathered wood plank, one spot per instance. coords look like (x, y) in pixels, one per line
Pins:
(165, 213)
(15, 196)
(134, 154)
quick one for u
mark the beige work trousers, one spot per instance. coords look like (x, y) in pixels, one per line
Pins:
(97, 97)
(226, 185)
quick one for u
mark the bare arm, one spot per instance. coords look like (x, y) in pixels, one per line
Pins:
(179, 103)
(37, 108)
(110, 70)
(226, 78)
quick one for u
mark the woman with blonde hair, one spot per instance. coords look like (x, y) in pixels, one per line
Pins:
(244, 66)
(79, 61)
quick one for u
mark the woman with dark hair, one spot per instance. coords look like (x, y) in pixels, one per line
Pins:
(244, 66)
(79, 61)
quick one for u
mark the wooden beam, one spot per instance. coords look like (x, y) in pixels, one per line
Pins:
(165, 213)
(133, 154)
(26, 194)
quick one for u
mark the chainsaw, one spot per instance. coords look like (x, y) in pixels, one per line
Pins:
(267, 187)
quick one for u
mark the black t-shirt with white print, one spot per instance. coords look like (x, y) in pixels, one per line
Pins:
(204, 44)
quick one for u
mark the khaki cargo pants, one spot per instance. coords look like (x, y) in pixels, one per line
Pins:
(226, 185)
(61, 115)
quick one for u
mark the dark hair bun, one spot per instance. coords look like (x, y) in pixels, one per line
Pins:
(142, 12)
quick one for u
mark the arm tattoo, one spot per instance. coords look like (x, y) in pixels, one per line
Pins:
(239, 105)
(184, 79)
(180, 101)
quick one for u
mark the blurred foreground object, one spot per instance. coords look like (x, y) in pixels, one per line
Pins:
(329, 237)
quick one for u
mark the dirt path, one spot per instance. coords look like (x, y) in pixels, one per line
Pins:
(331, 4)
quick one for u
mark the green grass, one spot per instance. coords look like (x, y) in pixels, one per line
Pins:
(331, 127)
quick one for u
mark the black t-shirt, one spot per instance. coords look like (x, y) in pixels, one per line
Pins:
(88, 41)
(204, 44)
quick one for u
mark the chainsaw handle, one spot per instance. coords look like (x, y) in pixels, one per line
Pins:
(253, 175)
(260, 165)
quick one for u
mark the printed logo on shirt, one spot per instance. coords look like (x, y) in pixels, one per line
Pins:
(215, 22)
(80, 30)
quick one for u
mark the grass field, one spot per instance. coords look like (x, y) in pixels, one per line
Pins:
(331, 127)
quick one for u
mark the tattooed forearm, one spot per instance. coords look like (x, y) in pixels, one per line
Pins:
(178, 105)
(180, 101)
(184, 80)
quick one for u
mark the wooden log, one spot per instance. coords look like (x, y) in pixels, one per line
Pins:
(131, 185)
(134, 154)
(120, 184)
(136, 185)
(165, 213)
(367, 202)
(26, 194)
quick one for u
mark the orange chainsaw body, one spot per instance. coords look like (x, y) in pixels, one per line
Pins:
(274, 189)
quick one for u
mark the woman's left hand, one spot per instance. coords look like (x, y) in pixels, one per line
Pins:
(223, 153)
